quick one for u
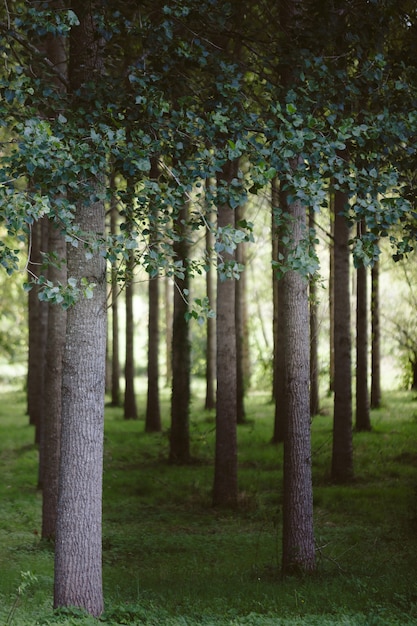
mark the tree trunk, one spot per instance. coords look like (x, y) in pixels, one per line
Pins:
(278, 323)
(298, 532)
(363, 420)
(210, 402)
(225, 491)
(115, 349)
(314, 332)
(181, 352)
(55, 341)
(78, 570)
(38, 326)
(331, 297)
(168, 299)
(130, 408)
(376, 340)
(153, 411)
(342, 454)
(241, 332)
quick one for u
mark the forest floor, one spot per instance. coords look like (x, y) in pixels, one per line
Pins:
(170, 559)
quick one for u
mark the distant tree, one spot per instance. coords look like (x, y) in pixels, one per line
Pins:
(179, 451)
(342, 454)
(225, 490)
(314, 331)
(375, 339)
(115, 290)
(210, 401)
(363, 418)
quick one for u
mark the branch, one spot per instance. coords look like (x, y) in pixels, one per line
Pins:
(35, 51)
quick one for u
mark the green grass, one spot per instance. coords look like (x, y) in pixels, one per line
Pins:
(170, 559)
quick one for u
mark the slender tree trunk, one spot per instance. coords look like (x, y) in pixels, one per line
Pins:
(153, 411)
(210, 402)
(130, 407)
(278, 321)
(314, 335)
(168, 299)
(55, 341)
(115, 348)
(342, 455)
(363, 419)
(78, 570)
(38, 327)
(225, 491)
(376, 340)
(181, 352)
(298, 531)
(331, 297)
(241, 332)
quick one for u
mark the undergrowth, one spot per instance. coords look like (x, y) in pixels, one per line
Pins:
(170, 559)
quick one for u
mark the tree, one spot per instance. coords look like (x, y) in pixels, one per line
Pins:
(342, 453)
(375, 339)
(363, 420)
(181, 349)
(225, 489)
(78, 574)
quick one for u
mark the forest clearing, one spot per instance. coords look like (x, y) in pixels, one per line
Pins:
(171, 559)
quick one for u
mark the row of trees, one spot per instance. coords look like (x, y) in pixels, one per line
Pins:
(178, 112)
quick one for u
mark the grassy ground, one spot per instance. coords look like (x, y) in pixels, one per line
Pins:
(171, 560)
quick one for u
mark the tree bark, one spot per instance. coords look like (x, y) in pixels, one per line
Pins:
(298, 531)
(115, 349)
(363, 419)
(181, 351)
(376, 340)
(78, 570)
(342, 453)
(241, 331)
(55, 341)
(225, 491)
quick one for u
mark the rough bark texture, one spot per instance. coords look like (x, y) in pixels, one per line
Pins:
(225, 491)
(78, 573)
(376, 340)
(181, 354)
(342, 454)
(363, 418)
(298, 530)
(55, 341)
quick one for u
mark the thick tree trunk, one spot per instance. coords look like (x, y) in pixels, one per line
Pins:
(225, 491)
(342, 454)
(298, 531)
(376, 340)
(363, 419)
(78, 571)
(181, 353)
(55, 341)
